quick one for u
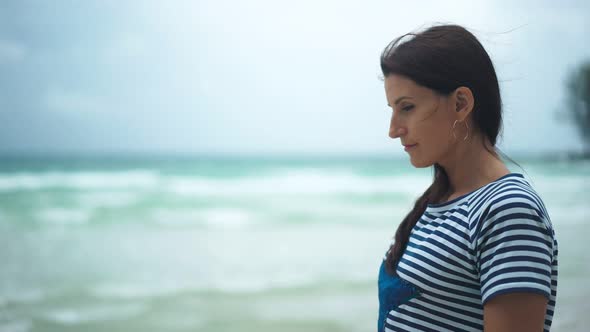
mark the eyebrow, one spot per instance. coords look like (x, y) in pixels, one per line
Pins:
(399, 99)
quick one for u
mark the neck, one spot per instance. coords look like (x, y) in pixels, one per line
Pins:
(470, 166)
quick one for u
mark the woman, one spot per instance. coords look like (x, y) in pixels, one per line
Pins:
(477, 251)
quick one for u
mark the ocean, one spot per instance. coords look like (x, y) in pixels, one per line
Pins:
(226, 244)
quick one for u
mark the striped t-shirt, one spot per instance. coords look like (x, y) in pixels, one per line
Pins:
(497, 239)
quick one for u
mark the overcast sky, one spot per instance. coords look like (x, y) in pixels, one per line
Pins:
(260, 76)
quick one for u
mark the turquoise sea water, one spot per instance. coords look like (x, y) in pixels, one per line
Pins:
(224, 244)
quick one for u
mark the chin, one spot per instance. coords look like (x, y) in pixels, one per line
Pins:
(421, 163)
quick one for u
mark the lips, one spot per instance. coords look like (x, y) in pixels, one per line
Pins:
(410, 146)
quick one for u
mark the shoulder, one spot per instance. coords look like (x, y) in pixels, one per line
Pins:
(508, 203)
(513, 242)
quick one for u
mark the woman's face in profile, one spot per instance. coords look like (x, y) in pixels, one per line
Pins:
(422, 118)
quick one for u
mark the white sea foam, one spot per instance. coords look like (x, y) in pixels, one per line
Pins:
(227, 217)
(569, 215)
(25, 296)
(136, 290)
(176, 216)
(353, 219)
(278, 211)
(73, 316)
(255, 284)
(250, 283)
(210, 217)
(330, 209)
(308, 182)
(64, 216)
(79, 180)
(15, 326)
(93, 199)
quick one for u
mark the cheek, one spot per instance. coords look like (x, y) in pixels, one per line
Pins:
(434, 137)
(429, 131)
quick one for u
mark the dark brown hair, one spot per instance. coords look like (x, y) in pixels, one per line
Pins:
(444, 58)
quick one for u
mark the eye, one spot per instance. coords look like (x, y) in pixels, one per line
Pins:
(407, 108)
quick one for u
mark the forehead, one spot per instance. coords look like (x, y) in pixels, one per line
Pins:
(397, 86)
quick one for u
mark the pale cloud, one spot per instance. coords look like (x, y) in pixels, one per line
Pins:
(124, 48)
(11, 52)
(233, 76)
(72, 102)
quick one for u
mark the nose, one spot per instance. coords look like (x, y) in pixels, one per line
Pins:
(395, 129)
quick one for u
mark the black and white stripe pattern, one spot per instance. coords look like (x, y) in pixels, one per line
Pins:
(495, 240)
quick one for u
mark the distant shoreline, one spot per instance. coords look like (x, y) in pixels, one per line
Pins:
(272, 156)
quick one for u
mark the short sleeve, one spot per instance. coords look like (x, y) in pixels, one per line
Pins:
(514, 248)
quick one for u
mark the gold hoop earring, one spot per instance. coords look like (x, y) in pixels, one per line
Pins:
(453, 130)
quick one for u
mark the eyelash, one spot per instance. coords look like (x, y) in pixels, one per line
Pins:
(407, 108)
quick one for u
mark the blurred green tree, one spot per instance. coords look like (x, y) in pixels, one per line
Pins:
(578, 101)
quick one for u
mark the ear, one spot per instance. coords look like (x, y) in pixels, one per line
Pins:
(464, 102)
